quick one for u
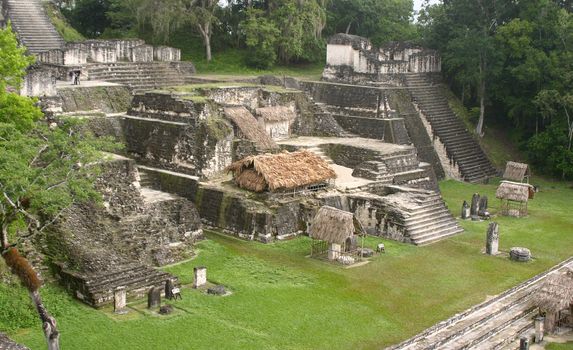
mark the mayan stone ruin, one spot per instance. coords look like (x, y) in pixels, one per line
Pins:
(218, 173)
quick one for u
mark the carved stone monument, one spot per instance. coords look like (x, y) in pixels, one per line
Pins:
(200, 274)
(483, 212)
(520, 254)
(169, 289)
(474, 210)
(120, 300)
(492, 239)
(465, 211)
(154, 298)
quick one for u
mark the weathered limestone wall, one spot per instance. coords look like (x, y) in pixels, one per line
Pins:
(107, 99)
(350, 58)
(141, 53)
(39, 81)
(229, 211)
(166, 53)
(377, 218)
(109, 51)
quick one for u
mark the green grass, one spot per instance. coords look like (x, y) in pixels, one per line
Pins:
(556, 346)
(284, 300)
(68, 33)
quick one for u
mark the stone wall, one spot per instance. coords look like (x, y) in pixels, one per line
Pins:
(107, 99)
(109, 51)
(39, 81)
(230, 211)
(166, 53)
(352, 59)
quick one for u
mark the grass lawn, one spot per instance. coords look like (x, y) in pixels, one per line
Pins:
(283, 300)
(564, 346)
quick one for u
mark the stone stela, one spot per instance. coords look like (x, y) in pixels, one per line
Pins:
(120, 300)
(154, 298)
(200, 276)
(492, 240)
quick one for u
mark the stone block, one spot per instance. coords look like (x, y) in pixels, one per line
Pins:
(141, 53)
(120, 300)
(217, 290)
(334, 251)
(200, 276)
(520, 254)
(154, 298)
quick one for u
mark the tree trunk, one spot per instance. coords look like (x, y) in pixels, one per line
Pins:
(48, 322)
(481, 92)
(208, 49)
(348, 27)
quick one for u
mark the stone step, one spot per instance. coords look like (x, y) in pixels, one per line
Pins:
(439, 226)
(437, 236)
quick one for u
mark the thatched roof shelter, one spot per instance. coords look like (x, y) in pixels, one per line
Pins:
(516, 171)
(332, 225)
(249, 127)
(556, 293)
(275, 113)
(281, 172)
(514, 191)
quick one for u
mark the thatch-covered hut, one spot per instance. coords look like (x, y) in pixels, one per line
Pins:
(282, 172)
(276, 120)
(514, 197)
(334, 230)
(247, 127)
(555, 300)
(515, 171)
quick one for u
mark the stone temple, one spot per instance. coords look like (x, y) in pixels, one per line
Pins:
(377, 125)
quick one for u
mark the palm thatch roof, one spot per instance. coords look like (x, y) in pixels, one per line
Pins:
(275, 113)
(514, 191)
(281, 172)
(332, 225)
(516, 171)
(556, 293)
(249, 127)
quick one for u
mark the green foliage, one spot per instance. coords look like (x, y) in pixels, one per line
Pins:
(67, 32)
(19, 111)
(261, 37)
(508, 55)
(89, 17)
(13, 63)
(380, 21)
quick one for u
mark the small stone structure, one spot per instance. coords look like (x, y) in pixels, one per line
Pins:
(492, 239)
(277, 121)
(119, 300)
(520, 254)
(154, 298)
(199, 276)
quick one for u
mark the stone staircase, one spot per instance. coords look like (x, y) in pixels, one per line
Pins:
(138, 76)
(497, 323)
(460, 145)
(32, 25)
(430, 220)
(98, 289)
